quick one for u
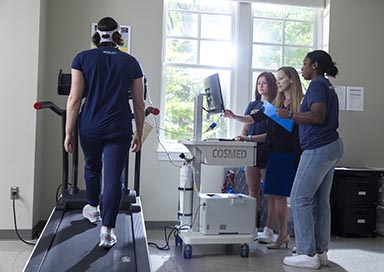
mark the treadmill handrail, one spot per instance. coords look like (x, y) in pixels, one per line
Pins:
(50, 105)
(74, 188)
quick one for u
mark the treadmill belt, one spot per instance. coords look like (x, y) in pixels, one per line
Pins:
(76, 246)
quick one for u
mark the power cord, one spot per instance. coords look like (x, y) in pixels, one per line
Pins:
(157, 128)
(14, 221)
(175, 231)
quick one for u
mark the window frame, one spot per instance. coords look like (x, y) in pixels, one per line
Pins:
(242, 72)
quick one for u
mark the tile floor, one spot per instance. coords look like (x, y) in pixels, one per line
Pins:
(358, 254)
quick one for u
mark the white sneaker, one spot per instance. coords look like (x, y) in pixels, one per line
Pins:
(255, 235)
(294, 249)
(91, 213)
(323, 258)
(107, 239)
(266, 236)
(303, 261)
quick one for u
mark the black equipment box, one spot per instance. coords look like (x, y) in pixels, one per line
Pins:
(354, 196)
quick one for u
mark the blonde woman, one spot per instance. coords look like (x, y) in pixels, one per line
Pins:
(283, 148)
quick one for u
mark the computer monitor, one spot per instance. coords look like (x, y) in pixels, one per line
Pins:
(213, 95)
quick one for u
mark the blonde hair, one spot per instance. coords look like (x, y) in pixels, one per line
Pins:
(296, 90)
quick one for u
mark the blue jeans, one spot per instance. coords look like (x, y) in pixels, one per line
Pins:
(310, 197)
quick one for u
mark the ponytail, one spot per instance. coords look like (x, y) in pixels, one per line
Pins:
(325, 62)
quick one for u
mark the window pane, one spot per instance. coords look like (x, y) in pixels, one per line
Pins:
(182, 85)
(294, 56)
(299, 13)
(298, 33)
(189, 5)
(216, 53)
(216, 27)
(268, 31)
(180, 91)
(217, 6)
(266, 57)
(182, 24)
(184, 51)
(267, 10)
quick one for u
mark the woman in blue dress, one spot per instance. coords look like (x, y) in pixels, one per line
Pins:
(283, 149)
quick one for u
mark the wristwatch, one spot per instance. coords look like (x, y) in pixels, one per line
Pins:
(249, 138)
(290, 115)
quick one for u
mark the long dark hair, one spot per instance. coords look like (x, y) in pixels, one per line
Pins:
(325, 62)
(108, 24)
(272, 87)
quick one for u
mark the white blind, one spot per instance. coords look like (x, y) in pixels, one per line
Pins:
(303, 3)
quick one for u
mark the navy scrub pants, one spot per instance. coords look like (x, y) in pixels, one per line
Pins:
(105, 157)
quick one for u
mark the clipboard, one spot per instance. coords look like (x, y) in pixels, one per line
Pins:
(270, 111)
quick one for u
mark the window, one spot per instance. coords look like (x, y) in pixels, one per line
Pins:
(282, 35)
(199, 42)
(235, 39)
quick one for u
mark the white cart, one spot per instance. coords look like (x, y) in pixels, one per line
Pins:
(229, 153)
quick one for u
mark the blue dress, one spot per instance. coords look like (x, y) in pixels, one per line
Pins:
(284, 151)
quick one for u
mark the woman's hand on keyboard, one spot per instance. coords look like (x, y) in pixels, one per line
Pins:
(241, 138)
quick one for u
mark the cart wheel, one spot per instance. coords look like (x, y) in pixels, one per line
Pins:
(187, 251)
(244, 251)
(178, 241)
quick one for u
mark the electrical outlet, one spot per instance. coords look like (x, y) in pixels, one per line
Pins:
(14, 192)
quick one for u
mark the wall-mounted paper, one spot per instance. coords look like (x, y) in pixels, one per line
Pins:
(355, 98)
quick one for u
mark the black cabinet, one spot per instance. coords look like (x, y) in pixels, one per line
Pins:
(353, 200)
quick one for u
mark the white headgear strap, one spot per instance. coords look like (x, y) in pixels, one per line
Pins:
(107, 34)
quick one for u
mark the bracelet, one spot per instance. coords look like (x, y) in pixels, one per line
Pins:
(249, 138)
(290, 115)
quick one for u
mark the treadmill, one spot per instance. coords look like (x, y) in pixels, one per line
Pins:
(68, 241)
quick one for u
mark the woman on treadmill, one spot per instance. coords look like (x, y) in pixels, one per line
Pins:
(103, 77)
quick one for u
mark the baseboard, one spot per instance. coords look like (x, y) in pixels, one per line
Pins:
(27, 234)
(11, 234)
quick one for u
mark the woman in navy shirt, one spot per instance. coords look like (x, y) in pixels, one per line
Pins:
(104, 76)
(265, 90)
(322, 148)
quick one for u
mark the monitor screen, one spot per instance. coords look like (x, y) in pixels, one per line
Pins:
(213, 95)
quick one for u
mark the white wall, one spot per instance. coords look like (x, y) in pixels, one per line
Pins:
(19, 49)
(355, 44)
(68, 32)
